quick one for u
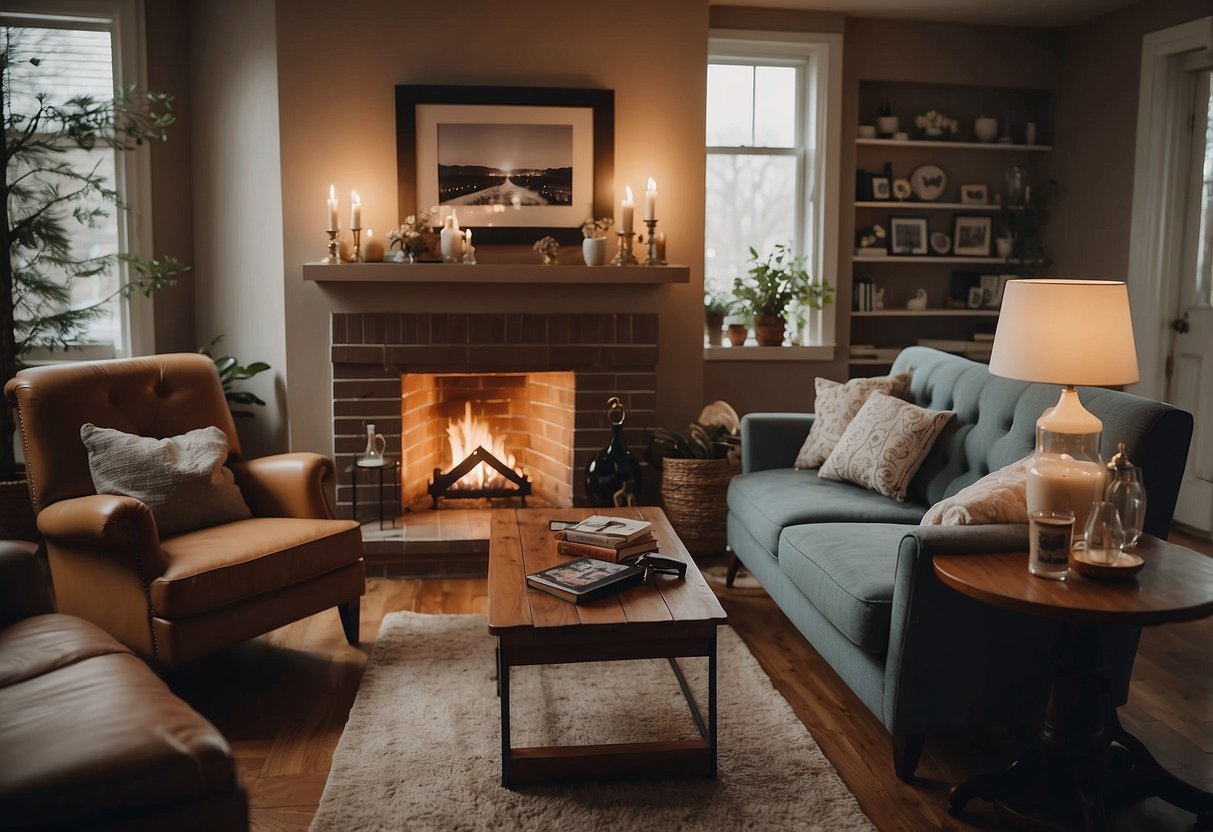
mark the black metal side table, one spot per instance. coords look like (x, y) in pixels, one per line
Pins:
(392, 466)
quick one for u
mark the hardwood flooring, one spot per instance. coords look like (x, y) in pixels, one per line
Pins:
(282, 700)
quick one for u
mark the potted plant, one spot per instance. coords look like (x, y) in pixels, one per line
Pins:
(415, 237)
(772, 286)
(231, 371)
(696, 468)
(48, 194)
(594, 246)
(1025, 224)
(715, 307)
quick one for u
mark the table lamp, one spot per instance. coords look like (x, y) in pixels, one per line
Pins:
(1066, 332)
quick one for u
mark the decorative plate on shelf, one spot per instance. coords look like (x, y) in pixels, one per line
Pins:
(941, 243)
(901, 188)
(928, 182)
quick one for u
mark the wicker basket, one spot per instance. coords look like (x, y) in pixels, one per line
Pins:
(693, 493)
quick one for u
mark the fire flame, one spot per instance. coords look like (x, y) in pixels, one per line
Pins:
(465, 434)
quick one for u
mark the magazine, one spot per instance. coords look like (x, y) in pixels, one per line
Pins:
(585, 579)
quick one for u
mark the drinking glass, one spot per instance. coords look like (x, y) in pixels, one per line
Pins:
(1105, 537)
(1049, 543)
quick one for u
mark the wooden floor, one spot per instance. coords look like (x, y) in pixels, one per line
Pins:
(282, 700)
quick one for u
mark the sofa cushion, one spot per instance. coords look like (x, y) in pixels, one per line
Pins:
(44, 643)
(765, 502)
(212, 567)
(182, 479)
(884, 445)
(102, 734)
(847, 571)
(998, 497)
(837, 405)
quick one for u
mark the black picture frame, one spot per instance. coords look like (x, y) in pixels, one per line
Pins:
(601, 108)
(922, 234)
(963, 228)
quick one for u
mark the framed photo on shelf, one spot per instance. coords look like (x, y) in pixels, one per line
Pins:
(974, 194)
(975, 297)
(971, 236)
(991, 290)
(516, 163)
(880, 187)
(908, 235)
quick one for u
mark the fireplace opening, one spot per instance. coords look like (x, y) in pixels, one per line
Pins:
(488, 435)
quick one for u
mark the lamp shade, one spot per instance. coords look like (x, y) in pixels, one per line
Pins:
(1065, 332)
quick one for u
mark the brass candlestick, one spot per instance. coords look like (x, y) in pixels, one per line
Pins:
(356, 254)
(334, 249)
(653, 259)
(624, 257)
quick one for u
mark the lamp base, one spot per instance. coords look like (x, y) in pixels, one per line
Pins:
(1066, 472)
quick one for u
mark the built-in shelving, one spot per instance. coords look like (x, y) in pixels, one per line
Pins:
(954, 145)
(899, 205)
(502, 273)
(927, 313)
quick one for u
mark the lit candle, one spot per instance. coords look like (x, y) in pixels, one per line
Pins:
(650, 200)
(661, 247)
(332, 208)
(372, 248)
(355, 210)
(625, 213)
(467, 238)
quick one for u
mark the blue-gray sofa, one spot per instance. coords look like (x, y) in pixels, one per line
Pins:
(852, 569)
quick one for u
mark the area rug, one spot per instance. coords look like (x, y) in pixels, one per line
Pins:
(421, 749)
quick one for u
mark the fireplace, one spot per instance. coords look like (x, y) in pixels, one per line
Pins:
(544, 379)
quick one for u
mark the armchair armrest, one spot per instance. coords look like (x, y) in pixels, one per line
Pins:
(286, 485)
(772, 440)
(120, 529)
(24, 586)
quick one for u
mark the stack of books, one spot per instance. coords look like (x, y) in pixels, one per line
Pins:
(611, 539)
(585, 579)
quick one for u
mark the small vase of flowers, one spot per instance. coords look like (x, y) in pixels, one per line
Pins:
(594, 246)
(548, 249)
(414, 237)
(935, 124)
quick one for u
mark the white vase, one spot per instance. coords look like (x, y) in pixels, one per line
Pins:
(451, 240)
(887, 125)
(985, 128)
(593, 250)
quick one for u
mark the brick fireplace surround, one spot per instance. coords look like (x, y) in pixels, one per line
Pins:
(608, 354)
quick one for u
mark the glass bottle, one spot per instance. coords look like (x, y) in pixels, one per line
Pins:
(1126, 492)
(1016, 185)
(612, 478)
(1066, 472)
(372, 457)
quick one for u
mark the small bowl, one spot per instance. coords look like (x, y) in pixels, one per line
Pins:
(1126, 566)
(901, 137)
(867, 131)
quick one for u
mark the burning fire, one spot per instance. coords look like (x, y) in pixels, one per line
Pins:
(465, 434)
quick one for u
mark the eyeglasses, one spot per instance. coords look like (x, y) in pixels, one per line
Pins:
(654, 564)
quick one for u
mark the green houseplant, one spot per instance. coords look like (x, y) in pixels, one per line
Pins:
(232, 371)
(48, 193)
(773, 285)
(715, 307)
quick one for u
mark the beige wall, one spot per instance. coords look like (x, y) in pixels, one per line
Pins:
(337, 69)
(238, 266)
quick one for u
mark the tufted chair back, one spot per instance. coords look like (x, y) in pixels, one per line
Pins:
(158, 395)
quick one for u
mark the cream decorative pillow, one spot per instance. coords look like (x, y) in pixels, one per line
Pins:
(999, 497)
(182, 479)
(837, 405)
(884, 445)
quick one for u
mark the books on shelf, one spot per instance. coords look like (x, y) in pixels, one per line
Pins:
(639, 546)
(585, 579)
(612, 532)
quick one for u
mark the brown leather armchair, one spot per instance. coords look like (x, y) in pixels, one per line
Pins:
(180, 597)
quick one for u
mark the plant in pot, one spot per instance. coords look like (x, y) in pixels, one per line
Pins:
(51, 192)
(772, 286)
(594, 246)
(715, 307)
(1025, 224)
(232, 371)
(696, 467)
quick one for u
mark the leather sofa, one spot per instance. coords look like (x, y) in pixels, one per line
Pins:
(852, 569)
(90, 737)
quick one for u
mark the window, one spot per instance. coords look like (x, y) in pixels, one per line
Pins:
(772, 156)
(80, 52)
(1198, 243)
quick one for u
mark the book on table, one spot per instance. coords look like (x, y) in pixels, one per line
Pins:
(612, 532)
(585, 579)
(628, 551)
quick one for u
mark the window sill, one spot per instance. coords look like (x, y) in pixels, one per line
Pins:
(819, 352)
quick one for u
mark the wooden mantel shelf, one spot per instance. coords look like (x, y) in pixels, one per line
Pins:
(503, 273)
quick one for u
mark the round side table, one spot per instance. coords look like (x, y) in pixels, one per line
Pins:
(1081, 745)
(390, 465)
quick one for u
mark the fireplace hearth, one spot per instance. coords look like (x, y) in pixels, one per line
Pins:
(446, 485)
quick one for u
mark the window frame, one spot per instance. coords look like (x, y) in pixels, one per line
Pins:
(819, 92)
(124, 20)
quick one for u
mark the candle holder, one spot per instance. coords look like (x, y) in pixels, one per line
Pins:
(624, 257)
(469, 256)
(654, 259)
(356, 254)
(334, 249)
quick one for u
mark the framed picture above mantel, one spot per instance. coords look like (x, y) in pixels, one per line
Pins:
(514, 163)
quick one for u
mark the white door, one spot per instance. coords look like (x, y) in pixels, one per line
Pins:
(1191, 362)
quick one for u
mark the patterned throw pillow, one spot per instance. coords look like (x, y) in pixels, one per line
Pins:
(837, 405)
(884, 445)
(182, 479)
(999, 497)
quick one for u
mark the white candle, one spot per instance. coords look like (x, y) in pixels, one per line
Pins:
(625, 213)
(1057, 482)
(332, 208)
(650, 200)
(661, 247)
(467, 239)
(372, 248)
(355, 210)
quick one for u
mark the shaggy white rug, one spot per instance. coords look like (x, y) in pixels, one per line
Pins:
(421, 749)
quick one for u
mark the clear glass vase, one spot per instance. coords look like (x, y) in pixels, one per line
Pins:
(1127, 493)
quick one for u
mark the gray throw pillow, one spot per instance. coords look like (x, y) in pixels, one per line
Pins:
(182, 479)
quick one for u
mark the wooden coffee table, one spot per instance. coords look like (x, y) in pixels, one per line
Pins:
(667, 619)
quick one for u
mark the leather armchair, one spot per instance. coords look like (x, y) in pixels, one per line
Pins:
(179, 597)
